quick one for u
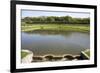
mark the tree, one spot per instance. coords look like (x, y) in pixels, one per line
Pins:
(55, 20)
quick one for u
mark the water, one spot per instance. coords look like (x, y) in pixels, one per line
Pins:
(55, 42)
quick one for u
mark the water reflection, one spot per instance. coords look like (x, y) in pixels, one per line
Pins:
(49, 32)
(55, 42)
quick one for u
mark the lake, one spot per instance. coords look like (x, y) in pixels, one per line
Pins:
(55, 42)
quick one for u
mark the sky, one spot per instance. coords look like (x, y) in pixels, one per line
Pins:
(32, 13)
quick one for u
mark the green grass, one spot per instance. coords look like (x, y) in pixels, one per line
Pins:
(88, 53)
(69, 27)
(23, 54)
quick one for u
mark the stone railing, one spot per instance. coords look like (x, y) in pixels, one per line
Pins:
(66, 57)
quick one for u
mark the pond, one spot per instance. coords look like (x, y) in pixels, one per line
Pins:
(55, 42)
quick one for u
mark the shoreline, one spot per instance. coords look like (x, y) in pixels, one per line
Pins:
(81, 28)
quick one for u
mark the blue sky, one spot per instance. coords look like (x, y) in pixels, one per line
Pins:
(32, 13)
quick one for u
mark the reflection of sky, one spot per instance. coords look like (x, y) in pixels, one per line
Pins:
(58, 44)
(30, 13)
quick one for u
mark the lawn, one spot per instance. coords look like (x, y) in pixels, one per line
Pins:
(23, 54)
(62, 27)
(88, 53)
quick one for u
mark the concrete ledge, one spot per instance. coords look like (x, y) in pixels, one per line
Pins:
(28, 58)
(84, 55)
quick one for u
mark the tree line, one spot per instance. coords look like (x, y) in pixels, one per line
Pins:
(55, 20)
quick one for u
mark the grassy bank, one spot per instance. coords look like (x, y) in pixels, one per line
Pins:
(87, 52)
(69, 27)
(23, 54)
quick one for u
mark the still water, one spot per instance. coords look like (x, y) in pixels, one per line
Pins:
(56, 43)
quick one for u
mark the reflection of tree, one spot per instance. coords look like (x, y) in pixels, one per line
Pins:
(48, 32)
